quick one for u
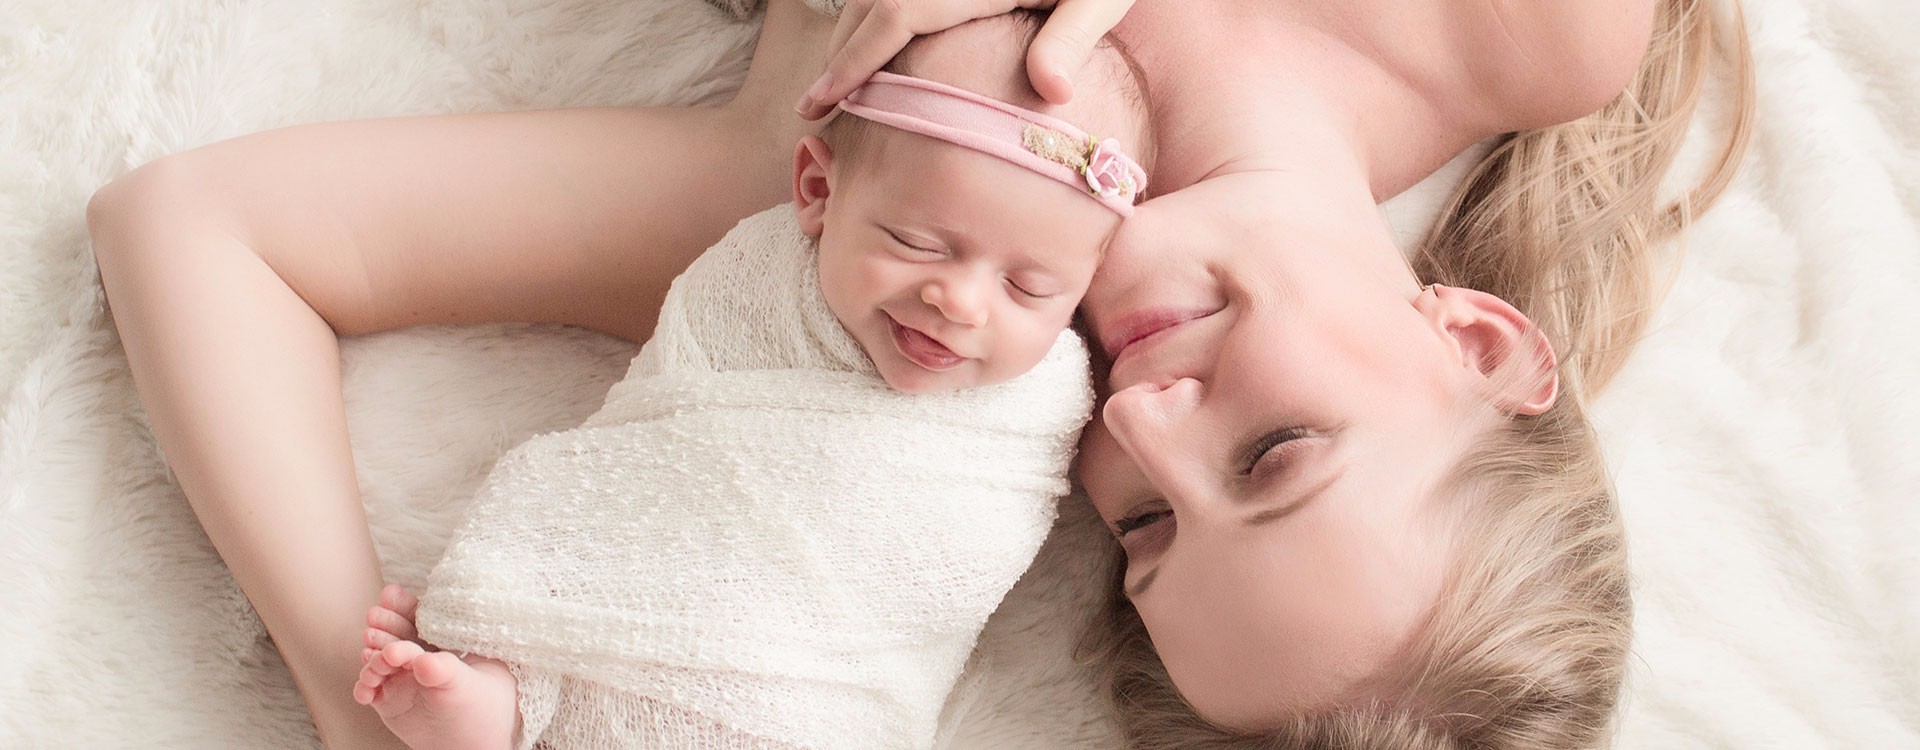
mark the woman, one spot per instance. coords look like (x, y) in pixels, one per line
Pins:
(226, 270)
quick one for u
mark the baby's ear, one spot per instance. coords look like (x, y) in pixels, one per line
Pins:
(812, 184)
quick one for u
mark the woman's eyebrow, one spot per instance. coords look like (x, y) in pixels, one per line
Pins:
(1141, 586)
(1275, 511)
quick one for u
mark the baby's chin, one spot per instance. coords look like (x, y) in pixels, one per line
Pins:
(904, 375)
(910, 379)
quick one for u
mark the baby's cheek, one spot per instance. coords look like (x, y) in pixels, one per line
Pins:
(879, 275)
(1028, 346)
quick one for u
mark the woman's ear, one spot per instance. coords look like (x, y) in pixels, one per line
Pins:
(812, 184)
(1510, 354)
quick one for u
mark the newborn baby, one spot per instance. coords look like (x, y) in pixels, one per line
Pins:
(840, 448)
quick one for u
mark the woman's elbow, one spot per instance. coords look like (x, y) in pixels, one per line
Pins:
(137, 212)
(117, 207)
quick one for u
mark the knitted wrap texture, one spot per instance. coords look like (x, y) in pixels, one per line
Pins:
(755, 543)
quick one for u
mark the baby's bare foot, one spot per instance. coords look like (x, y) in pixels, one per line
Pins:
(435, 700)
(391, 620)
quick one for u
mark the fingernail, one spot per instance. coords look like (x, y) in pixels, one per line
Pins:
(820, 86)
(811, 100)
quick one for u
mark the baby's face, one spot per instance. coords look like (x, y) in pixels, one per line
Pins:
(951, 268)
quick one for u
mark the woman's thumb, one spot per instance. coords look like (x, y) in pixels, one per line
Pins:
(1066, 41)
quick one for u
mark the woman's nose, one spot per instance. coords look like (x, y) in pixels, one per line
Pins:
(962, 298)
(1153, 423)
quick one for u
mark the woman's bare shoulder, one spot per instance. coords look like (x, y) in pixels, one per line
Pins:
(1549, 62)
(1512, 64)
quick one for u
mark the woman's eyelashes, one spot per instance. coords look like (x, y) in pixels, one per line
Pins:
(1146, 530)
(1142, 516)
(1148, 527)
(1269, 452)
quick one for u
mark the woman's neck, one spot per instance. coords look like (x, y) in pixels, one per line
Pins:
(1275, 89)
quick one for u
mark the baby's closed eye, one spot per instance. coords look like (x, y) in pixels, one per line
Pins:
(1034, 287)
(915, 244)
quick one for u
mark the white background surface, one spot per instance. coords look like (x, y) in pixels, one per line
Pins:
(1761, 436)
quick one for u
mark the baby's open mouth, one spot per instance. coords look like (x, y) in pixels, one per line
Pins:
(922, 349)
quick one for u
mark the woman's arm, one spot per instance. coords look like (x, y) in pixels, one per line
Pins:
(232, 268)
(566, 216)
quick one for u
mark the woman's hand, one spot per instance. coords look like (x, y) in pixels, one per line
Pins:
(871, 32)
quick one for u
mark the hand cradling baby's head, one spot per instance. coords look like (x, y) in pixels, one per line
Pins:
(953, 268)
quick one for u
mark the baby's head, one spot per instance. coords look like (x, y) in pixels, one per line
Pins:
(951, 266)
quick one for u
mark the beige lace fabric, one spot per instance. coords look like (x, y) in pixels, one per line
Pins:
(755, 543)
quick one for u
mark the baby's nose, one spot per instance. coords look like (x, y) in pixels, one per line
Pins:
(961, 300)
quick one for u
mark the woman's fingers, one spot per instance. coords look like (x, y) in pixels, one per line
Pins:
(1066, 41)
(870, 32)
(874, 31)
(851, 16)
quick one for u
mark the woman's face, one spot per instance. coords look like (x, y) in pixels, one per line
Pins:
(1266, 453)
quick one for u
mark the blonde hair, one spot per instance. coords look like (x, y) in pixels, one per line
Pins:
(1527, 646)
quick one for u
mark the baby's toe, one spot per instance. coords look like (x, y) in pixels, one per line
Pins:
(399, 654)
(364, 694)
(375, 638)
(392, 622)
(373, 675)
(396, 598)
(438, 669)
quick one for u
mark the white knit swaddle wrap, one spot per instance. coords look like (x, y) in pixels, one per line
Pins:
(755, 543)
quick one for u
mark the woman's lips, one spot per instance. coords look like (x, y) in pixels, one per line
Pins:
(1132, 329)
(921, 349)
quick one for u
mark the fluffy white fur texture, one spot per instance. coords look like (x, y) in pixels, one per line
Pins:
(1761, 436)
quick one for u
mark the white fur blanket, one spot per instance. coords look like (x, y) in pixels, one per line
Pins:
(755, 543)
(1761, 435)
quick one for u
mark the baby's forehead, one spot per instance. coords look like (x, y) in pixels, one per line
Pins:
(988, 57)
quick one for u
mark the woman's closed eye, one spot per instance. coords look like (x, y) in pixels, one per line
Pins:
(1142, 516)
(1146, 529)
(1270, 453)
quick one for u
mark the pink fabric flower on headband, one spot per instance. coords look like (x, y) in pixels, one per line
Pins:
(1109, 172)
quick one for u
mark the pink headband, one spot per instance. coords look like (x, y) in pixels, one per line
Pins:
(1046, 145)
